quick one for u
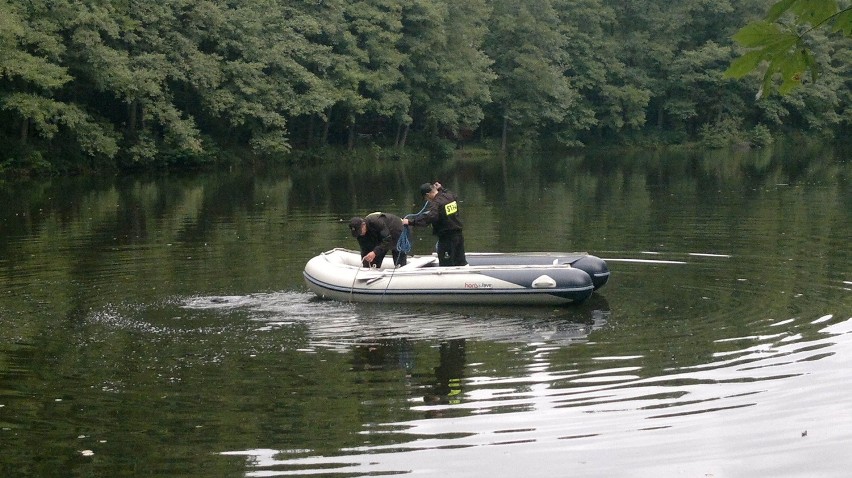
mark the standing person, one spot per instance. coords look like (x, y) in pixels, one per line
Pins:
(443, 214)
(377, 233)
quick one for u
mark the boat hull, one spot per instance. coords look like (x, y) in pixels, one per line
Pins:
(488, 279)
(592, 265)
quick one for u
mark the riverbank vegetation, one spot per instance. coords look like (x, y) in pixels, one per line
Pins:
(133, 85)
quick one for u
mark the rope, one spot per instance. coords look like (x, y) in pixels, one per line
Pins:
(352, 287)
(391, 278)
(404, 243)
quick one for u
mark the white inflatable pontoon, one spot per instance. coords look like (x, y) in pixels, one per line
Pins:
(489, 278)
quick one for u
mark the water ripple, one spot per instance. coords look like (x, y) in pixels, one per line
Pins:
(578, 419)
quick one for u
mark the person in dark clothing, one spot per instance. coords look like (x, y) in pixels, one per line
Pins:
(443, 214)
(378, 233)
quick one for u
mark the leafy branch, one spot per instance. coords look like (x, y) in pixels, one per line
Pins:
(780, 49)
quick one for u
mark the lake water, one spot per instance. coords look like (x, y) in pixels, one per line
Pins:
(161, 327)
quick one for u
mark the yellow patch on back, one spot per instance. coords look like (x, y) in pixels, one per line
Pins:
(451, 208)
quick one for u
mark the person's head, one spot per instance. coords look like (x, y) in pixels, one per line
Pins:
(357, 226)
(428, 190)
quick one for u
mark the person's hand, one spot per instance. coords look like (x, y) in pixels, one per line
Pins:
(369, 258)
(405, 222)
(437, 185)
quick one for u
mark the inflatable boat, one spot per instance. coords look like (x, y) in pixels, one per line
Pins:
(545, 278)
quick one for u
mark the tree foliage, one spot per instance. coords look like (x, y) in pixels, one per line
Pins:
(132, 84)
(780, 44)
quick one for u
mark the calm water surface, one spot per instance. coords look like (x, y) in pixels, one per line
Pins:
(160, 327)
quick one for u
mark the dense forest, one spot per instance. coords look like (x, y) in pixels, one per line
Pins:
(132, 84)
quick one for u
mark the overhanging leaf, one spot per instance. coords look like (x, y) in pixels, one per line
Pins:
(814, 12)
(758, 34)
(744, 64)
(783, 45)
(778, 9)
(791, 67)
(843, 22)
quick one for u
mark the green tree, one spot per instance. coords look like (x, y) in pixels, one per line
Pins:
(673, 55)
(373, 36)
(645, 33)
(697, 93)
(266, 71)
(446, 74)
(611, 99)
(530, 57)
(127, 83)
(128, 54)
(33, 80)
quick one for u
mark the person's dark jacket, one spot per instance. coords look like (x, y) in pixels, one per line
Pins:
(383, 231)
(443, 214)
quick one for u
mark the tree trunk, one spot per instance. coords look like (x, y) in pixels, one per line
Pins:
(404, 136)
(25, 130)
(310, 134)
(325, 126)
(350, 143)
(131, 117)
(505, 133)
